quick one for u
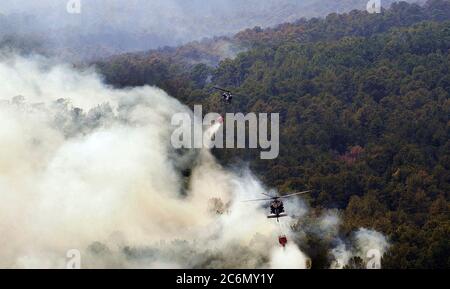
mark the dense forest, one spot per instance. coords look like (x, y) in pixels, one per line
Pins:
(364, 107)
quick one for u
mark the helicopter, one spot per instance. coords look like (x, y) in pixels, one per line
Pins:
(227, 95)
(276, 205)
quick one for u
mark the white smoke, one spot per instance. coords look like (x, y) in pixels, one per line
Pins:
(88, 167)
(288, 258)
(84, 166)
(367, 245)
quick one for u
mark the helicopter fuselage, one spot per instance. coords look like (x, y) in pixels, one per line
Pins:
(227, 97)
(276, 205)
(276, 209)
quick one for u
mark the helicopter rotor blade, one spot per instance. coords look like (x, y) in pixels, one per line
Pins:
(221, 89)
(270, 196)
(295, 194)
(256, 200)
(277, 197)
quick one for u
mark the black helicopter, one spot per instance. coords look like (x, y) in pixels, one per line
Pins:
(227, 95)
(276, 205)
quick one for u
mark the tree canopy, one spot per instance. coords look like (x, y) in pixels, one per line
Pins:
(364, 108)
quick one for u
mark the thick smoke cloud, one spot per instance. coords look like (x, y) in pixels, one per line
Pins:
(88, 167)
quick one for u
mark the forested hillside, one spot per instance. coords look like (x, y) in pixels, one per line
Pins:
(364, 107)
(107, 27)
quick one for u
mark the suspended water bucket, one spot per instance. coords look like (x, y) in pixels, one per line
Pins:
(283, 240)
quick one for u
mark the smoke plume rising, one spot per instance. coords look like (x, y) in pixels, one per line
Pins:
(88, 167)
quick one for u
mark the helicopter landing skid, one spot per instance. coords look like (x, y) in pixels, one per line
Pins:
(277, 216)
